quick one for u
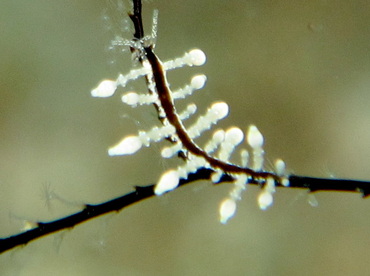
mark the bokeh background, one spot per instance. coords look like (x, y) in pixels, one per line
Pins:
(299, 70)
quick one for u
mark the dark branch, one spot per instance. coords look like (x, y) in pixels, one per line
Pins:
(137, 20)
(325, 184)
(144, 192)
(89, 212)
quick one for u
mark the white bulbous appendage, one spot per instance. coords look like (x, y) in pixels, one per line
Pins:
(127, 146)
(194, 57)
(220, 109)
(167, 152)
(216, 112)
(254, 137)
(198, 82)
(279, 167)
(105, 89)
(234, 135)
(168, 182)
(134, 99)
(218, 136)
(197, 57)
(131, 98)
(227, 210)
(265, 200)
(190, 110)
(122, 80)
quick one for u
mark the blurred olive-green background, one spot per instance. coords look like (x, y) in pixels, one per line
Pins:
(299, 70)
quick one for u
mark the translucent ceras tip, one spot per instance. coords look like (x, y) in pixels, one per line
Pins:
(197, 57)
(234, 135)
(254, 137)
(218, 136)
(198, 81)
(227, 210)
(127, 146)
(168, 181)
(167, 152)
(279, 167)
(131, 98)
(220, 109)
(105, 89)
(265, 199)
(191, 108)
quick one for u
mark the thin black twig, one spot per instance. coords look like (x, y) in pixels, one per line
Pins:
(136, 18)
(144, 192)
